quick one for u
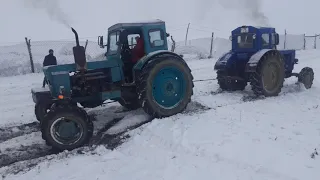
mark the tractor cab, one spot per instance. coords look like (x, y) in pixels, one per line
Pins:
(251, 39)
(128, 43)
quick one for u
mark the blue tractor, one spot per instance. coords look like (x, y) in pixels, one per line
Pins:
(160, 82)
(254, 58)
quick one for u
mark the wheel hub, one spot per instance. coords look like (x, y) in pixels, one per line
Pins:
(270, 76)
(65, 131)
(168, 87)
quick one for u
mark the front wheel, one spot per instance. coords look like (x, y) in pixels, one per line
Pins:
(306, 77)
(66, 128)
(165, 86)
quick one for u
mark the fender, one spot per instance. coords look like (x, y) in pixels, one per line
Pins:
(255, 59)
(224, 60)
(144, 60)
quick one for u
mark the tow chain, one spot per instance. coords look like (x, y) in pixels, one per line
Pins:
(211, 79)
(198, 80)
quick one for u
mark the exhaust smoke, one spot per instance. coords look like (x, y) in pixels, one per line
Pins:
(254, 12)
(250, 9)
(52, 8)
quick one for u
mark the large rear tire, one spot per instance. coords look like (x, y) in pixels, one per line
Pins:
(165, 86)
(66, 127)
(269, 76)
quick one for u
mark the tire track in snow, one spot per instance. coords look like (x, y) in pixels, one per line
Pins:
(19, 159)
(7, 133)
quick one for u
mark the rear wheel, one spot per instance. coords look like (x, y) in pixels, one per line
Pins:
(165, 86)
(66, 128)
(269, 76)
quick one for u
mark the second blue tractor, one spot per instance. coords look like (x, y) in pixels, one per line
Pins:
(254, 58)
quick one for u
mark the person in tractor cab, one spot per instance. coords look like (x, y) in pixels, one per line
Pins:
(49, 60)
(138, 50)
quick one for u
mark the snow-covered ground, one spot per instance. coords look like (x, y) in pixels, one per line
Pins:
(220, 135)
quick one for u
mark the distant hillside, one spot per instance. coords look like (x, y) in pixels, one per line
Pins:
(14, 59)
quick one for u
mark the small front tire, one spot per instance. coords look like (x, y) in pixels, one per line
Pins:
(306, 77)
(66, 128)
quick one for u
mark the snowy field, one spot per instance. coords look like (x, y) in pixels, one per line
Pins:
(223, 136)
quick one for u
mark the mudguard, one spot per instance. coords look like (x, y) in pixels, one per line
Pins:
(41, 95)
(144, 60)
(255, 59)
(223, 62)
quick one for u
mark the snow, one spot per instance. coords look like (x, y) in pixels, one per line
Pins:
(219, 136)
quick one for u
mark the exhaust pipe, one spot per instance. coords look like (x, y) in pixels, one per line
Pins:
(79, 54)
(76, 35)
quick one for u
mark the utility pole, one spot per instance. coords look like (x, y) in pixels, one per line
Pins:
(30, 53)
(285, 39)
(185, 43)
(210, 56)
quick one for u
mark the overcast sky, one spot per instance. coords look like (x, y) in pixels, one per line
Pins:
(21, 18)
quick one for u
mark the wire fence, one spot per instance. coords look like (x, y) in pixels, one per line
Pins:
(27, 56)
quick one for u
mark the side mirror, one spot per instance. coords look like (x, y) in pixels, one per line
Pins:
(100, 41)
(168, 34)
(277, 39)
(230, 38)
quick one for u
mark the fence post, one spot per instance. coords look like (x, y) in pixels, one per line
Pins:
(30, 54)
(304, 41)
(315, 41)
(211, 46)
(85, 47)
(285, 39)
(185, 43)
(173, 46)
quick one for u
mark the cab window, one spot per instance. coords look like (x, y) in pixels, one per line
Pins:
(156, 38)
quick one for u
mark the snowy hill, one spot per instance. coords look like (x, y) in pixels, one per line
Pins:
(219, 133)
(14, 59)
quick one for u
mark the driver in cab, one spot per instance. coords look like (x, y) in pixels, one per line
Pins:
(138, 50)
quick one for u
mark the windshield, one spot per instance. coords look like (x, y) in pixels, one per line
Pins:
(113, 39)
(245, 40)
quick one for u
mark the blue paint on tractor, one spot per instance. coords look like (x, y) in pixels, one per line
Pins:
(114, 77)
(173, 91)
(254, 58)
(113, 66)
(249, 45)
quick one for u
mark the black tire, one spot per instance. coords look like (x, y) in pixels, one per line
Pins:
(306, 77)
(76, 115)
(145, 86)
(229, 85)
(130, 104)
(41, 109)
(259, 82)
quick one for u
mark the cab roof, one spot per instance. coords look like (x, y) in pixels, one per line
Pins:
(135, 24)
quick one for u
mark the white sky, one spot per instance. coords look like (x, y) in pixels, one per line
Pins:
(92, 17)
